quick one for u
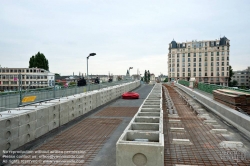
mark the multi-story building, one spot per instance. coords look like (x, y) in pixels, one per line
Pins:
(11, 78)
(242, 78)
(207, 61)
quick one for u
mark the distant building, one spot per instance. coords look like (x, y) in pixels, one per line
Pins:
(152, 79)
(242, 78)
(28, 77)
(162, 77)
(207, 61)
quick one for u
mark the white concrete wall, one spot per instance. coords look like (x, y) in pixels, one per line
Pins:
(22, 125)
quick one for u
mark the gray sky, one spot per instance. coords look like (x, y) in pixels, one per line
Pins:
(122, 33)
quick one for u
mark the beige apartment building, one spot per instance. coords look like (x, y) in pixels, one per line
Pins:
(207, 61)
(242, 77)
(27, 77)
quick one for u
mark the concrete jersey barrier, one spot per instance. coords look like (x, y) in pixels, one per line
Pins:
(22, 125)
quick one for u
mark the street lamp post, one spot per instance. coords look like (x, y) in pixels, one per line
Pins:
(129, 71)
(91, 54)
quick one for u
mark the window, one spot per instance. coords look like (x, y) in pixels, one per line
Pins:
(218, 53)
(194, 54)
(199, 64)
(194, 64)
(194, 69)
(188, 54)
(200, 74)
(205, 58)
(218, 69)
(222, 63)
(222, 69)
(212, 54)
(218, 63)
(199, 69)
(183, 59)
(217, 58)
(188, 59)
(212, 63)
(212, 74)
(212, 69)
(199, 59)
(222, 73)
(205, 53)
(205, 63)
(183, 69)
(183, 65)
(183, 55)
(205, 74)
(188, 69)
(222, 58)
(189, 64)
(177, 55)
(194, 59)
(218, 74)
(212, 58)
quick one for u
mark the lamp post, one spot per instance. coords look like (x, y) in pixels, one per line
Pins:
(129, 71)
(91, 54)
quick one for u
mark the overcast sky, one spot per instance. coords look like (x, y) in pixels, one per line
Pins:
(123, 33)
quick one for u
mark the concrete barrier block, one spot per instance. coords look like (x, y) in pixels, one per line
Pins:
(26, 128)
(8, 145)
(9, 134)
(53, 124)
(25, 138)
(41, 131)
(8, 121)
(146, 120)
(131, 151)
(64, 120)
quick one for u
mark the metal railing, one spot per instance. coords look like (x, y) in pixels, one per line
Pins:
(12, 99)
(210, 87)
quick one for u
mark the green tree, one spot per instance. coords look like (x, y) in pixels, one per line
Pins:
(148, 76)
(231, 73)
(39, 61)
(166, 80)
(72, 83)
(145, 76)
(234, 83)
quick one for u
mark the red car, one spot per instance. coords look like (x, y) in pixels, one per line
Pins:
(130, 95)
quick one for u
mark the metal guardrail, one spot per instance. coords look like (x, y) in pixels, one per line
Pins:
(12, 99)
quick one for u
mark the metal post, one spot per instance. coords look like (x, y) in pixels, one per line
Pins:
(87, 74)
(54, 87)
(87, 70)
(20, 87)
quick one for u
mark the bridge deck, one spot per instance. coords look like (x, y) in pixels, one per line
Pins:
(93, 139)
(205, 148)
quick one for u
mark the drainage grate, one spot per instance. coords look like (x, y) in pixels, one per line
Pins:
(205, 149)
(118, 112)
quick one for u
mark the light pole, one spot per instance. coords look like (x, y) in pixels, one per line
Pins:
(91, 54)
(129, 71)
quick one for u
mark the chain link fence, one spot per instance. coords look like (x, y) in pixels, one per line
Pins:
(14, 99)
